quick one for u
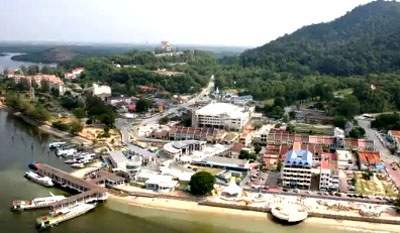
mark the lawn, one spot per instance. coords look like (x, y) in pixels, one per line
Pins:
(344, 92)
(211, 170)
(374, 186)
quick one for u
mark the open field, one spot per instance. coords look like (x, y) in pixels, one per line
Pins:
(375, 186)
(211, 170)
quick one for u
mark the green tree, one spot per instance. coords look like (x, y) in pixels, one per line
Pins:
(244, 154)
(279, 166)
(290, 128)
(397, 203)
(143, 105)
(340, 121)
(257, 148)
(44, 86)
(357, 132)
(80, 113)
(367, 174)
(164, 120)
(75, 127)
(202, 183)
(349, 107)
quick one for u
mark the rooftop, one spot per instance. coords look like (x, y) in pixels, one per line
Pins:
(224, 160)
(118, 156)
(216, 109)
(299, 158)
(140, 151)
(182, 144)
(370, 157)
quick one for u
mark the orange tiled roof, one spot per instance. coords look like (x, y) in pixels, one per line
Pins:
(370, 157)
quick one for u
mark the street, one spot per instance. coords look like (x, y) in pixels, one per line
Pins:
(124, 126)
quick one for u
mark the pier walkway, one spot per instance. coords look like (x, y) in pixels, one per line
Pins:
(89, 191)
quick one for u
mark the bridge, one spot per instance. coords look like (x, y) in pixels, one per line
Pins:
(89, 190)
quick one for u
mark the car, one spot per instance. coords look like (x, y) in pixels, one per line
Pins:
(338, 194)
(285, 190)
(319, 193)
(307, 192)
(350, 195)
(266, 188)
(296, 191)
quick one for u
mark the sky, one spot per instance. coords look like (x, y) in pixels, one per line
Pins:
(202, 22)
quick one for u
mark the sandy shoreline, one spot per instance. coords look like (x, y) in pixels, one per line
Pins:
(193, 207)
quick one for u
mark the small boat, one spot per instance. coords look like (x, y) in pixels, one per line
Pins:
(77, 165)
(43, 180)
(62, 215)
(54, 145)
(70, 161)
(41, 202)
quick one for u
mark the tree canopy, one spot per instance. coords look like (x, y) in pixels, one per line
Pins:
(202, 183)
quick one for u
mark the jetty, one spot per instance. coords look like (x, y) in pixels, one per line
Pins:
(89, 190)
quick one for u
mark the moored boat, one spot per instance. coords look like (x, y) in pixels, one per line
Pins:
(62, 215)
(70, 161)
(54, 145)
(43, 180)
(41, 202)
(77, 165)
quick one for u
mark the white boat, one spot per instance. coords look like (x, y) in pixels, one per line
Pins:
(54, 145)
(43, 180)
(77, 165)
(62, 215)
(41, 202)
(70, 161)
(66, 152)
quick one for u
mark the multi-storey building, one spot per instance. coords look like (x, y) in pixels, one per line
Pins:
(297, 169)
(222, 115)
(329, 173)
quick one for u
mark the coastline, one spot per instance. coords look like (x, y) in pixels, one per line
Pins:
(46, 128)
(194, 207)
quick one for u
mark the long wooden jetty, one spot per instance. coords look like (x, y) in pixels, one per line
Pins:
(89, 190)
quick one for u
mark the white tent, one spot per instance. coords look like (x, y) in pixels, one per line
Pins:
(232, 189)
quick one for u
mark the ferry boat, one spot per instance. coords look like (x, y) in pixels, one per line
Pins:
(62, 215)
(43, 180)
(41, 202)
(54, 145)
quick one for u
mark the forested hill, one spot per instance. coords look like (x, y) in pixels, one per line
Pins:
(365, 40)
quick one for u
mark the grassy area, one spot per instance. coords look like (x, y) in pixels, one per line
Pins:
(374, 186)
(344, 92)
(211, 170)
(315, 129)
(268, 102)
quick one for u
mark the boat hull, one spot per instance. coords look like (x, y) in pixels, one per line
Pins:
(46, 184)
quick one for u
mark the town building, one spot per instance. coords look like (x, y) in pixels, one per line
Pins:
(53, 81)
(186, 147)
(345, 159)
(224, 163)
(211, 135)
(102, 91)
(165, 72)
(155, 181)
(166, 47)
(310, 116)
(297, 169)
(222, 115)
(121, 163)
(75, 73)
(329, 172)
(370, 160)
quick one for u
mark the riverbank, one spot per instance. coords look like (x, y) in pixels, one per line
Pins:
(48, 129)
(194, 207)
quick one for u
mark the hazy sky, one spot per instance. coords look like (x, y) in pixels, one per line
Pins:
(208, 22)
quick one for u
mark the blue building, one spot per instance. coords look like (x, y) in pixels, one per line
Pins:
(297, 169)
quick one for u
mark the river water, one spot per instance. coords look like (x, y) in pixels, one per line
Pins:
(7, 63)
(20, 144)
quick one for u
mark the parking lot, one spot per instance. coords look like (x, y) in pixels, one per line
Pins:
(261, 180)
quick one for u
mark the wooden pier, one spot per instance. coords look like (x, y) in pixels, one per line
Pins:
(89, 190)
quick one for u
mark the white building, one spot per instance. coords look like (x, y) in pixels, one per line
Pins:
(179, 148)
(329, 173)
(156, 182)
(297, 169)
(222, 115)
(121, 163)
(101, 90)
(345, 159)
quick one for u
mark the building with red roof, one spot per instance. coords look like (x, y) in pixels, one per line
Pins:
(370, 160)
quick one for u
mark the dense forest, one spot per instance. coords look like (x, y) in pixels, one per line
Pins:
(125, 72)
(350, 64)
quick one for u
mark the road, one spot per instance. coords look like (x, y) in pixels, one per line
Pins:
(372, 134)
(154, 119)
(124, 126)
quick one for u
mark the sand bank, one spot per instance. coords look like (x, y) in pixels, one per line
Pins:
(193, 207)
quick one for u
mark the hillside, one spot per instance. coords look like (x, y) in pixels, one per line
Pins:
(52, 55)
(365, 40)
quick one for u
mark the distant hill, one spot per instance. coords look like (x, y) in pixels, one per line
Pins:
(365, 40)
(52, 55)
